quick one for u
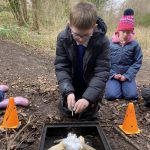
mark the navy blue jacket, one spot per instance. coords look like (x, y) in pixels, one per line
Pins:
(125, 60)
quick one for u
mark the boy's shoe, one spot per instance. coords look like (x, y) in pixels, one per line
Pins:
(21, 101)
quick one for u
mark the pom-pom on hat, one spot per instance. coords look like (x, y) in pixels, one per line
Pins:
(128, 12)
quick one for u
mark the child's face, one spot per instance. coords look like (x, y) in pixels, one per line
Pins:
(81, 35)
(123, 35)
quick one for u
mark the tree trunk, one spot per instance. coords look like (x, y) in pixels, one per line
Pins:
(16, 10)
(24, 10)
(35, 24)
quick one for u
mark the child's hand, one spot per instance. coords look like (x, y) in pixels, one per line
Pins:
(117, 76)
(81, 105)
(71, 101)
(123, 78)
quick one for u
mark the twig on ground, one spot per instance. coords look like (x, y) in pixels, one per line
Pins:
(23, 139)
(6, 136)
(106, 125)
(11, 141)
(126, 138)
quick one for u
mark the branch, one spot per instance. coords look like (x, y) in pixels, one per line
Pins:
(126, 138)
(11, 141)
(23, 139)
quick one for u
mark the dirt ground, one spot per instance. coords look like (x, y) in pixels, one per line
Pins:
(29, 72)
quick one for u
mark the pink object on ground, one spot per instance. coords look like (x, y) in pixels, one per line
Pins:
(4, 88)
(21, 101)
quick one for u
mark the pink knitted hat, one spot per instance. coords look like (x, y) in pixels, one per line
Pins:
(126, 23)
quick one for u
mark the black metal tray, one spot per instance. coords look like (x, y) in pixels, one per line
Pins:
(91, 131)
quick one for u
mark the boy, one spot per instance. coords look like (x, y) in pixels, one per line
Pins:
(126, 60)
(82, 62)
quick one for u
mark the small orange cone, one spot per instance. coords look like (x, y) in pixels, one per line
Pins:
(11, 117)
(130, 123)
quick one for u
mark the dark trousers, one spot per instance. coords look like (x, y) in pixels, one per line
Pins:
(121, 90)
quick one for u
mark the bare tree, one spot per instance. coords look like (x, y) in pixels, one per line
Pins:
(24, 10)
(16, 10)
(35, 23)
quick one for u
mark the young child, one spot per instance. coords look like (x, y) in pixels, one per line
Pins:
(18, 100)
(82, 62)
(126, 60)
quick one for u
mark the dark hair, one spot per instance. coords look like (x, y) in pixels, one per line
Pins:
(128, 12)
(83, 15)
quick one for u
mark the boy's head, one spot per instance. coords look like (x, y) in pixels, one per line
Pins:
(82, 21)
(83, 15)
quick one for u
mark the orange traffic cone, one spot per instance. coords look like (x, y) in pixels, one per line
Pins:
(11, 117)
(130, 123)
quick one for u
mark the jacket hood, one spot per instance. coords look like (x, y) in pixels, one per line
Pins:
(101, 26)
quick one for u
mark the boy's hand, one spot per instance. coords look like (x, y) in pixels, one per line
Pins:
(117, 76)
(123, 78)
(81, 105)
(71, 101)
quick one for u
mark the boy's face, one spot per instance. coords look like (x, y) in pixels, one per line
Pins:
(80, 35)
(123, 35)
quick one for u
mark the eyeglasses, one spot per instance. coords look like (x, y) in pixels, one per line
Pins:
(86, 36)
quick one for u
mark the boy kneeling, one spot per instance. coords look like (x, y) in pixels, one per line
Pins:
(82, 62)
